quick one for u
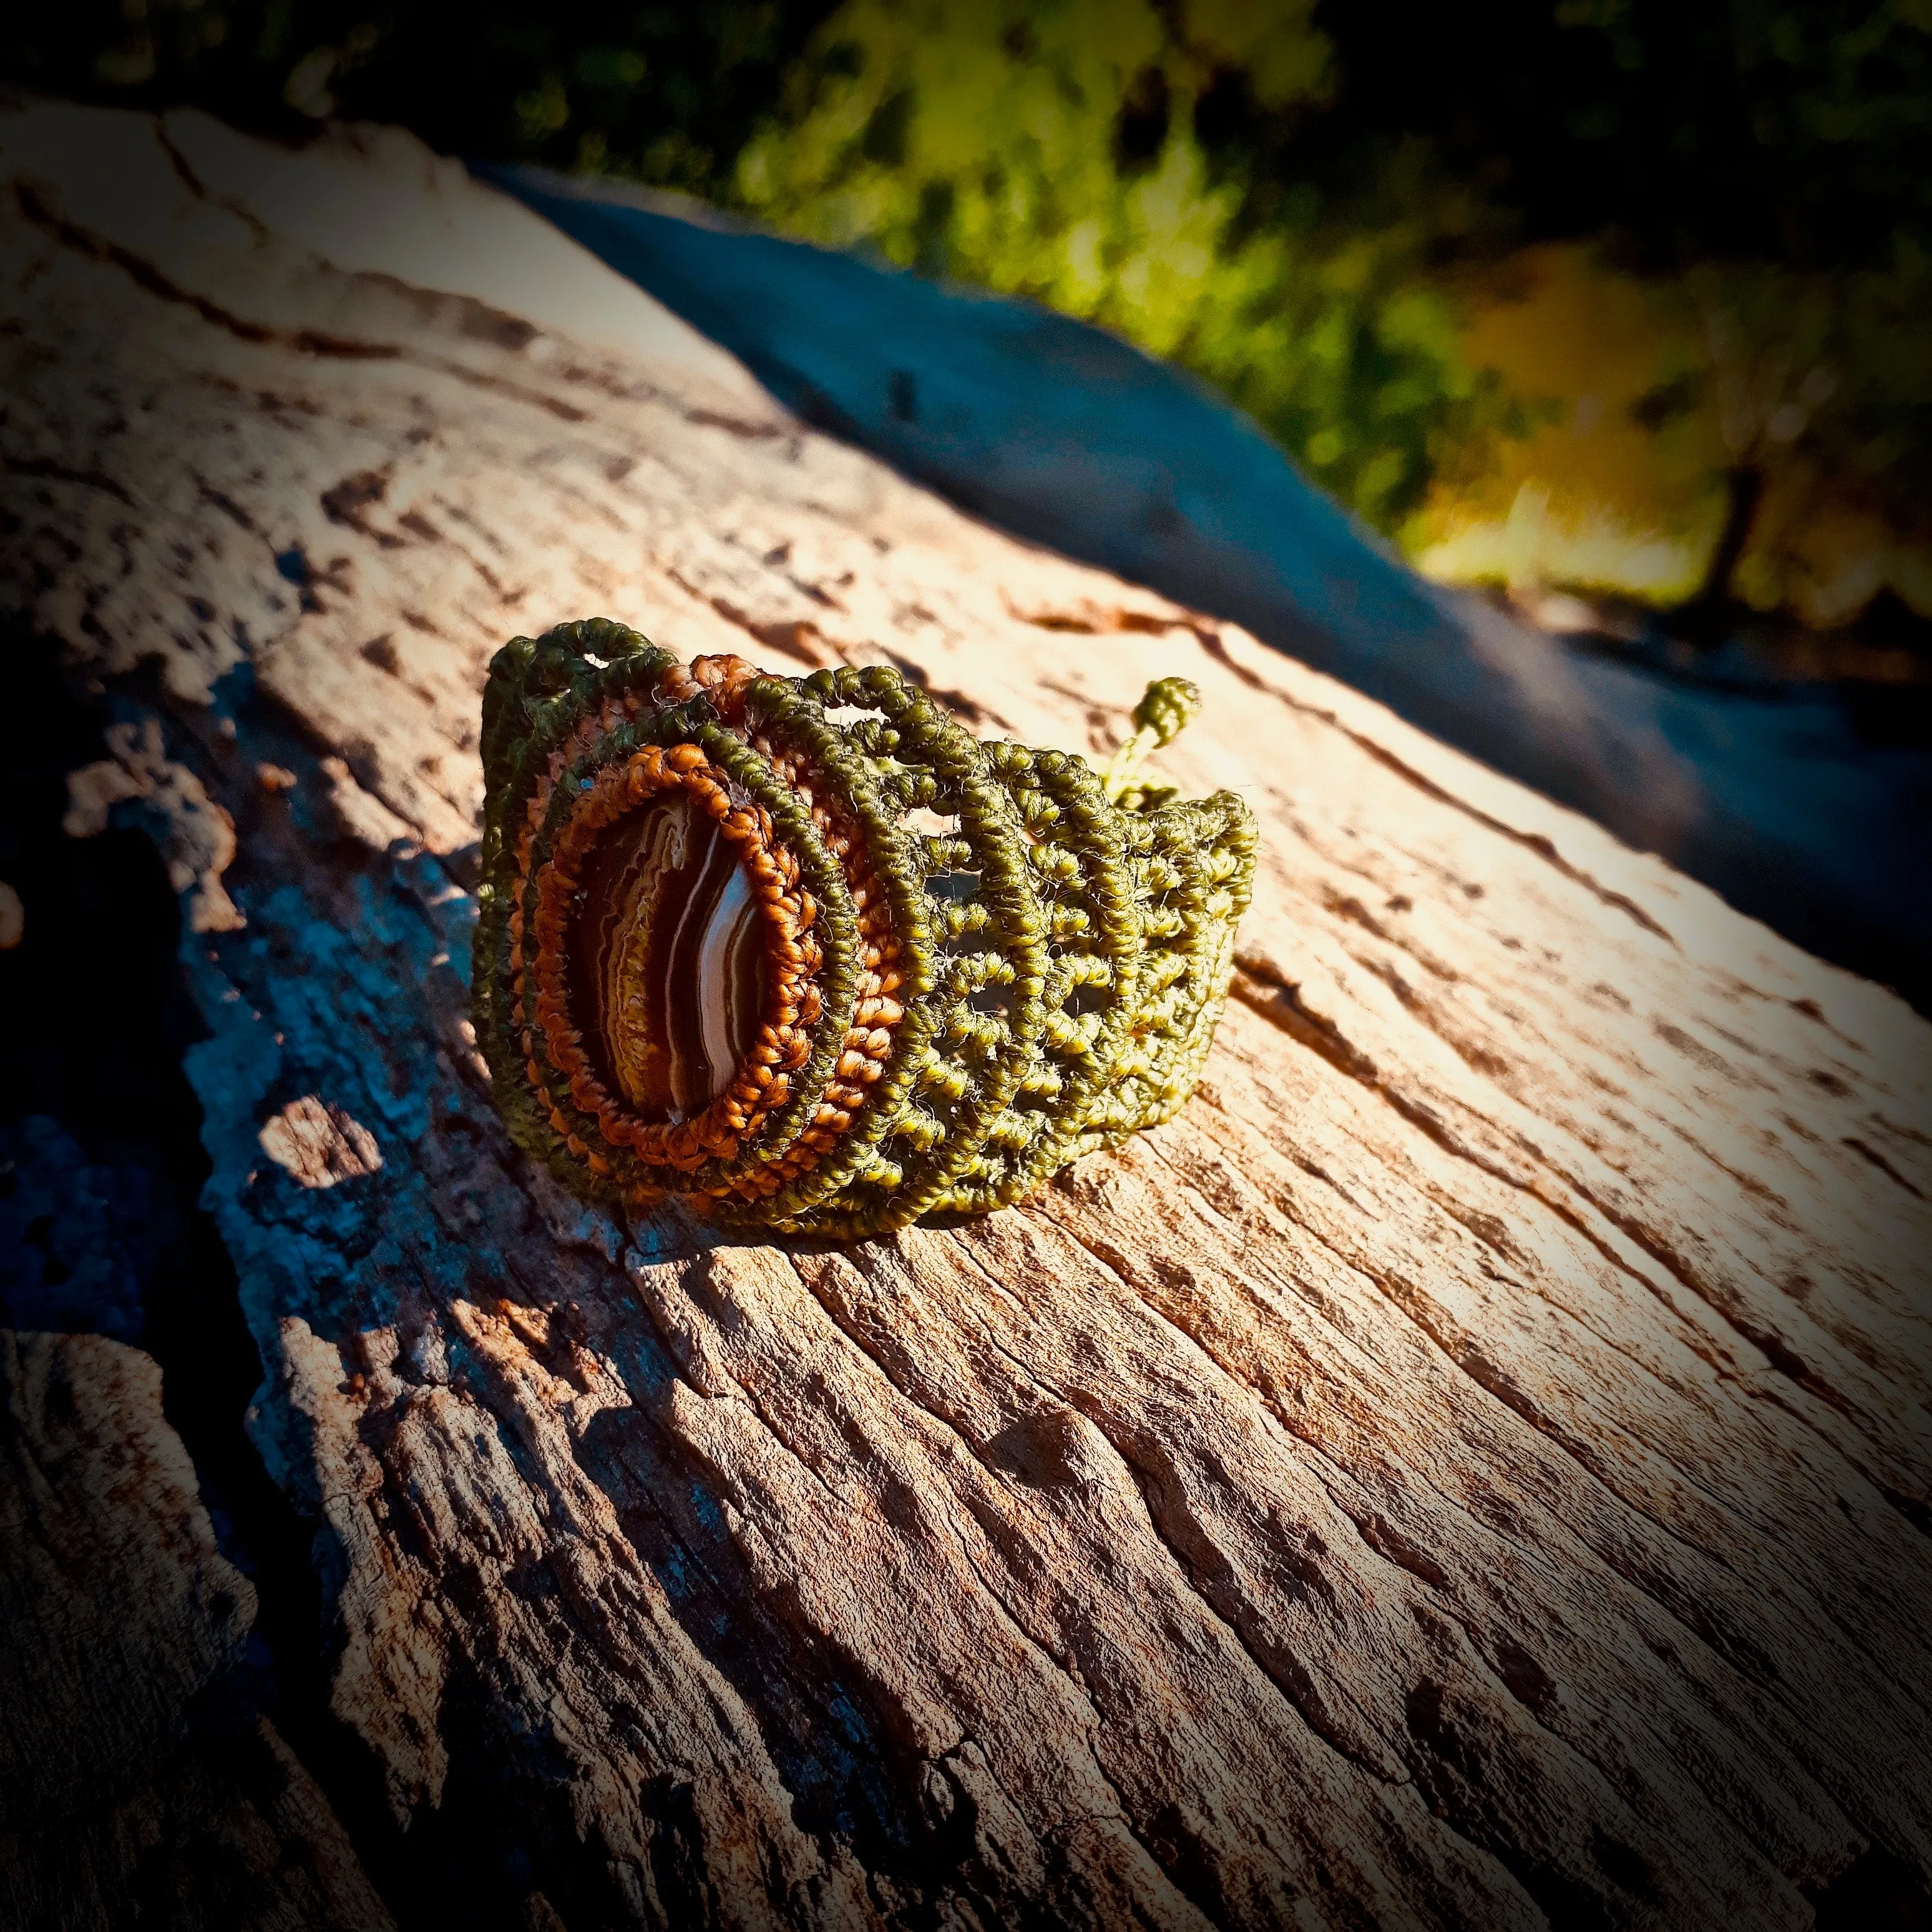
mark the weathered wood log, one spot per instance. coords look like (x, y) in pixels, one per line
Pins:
(1474, 1467)
(132, 1786)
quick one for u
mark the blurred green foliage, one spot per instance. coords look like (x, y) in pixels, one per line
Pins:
(1795, 131)
(1292, 197)
(1055, 152)
(1292, 200)
(1771, 158)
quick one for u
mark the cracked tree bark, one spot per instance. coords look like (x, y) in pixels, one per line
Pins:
(1474, 1468)
(137, 1782)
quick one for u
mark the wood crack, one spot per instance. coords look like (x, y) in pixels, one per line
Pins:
(1867, 1152)
(1281, 1006)
(1183, 1567)
(45, 469)
(1530, 841)
(1062, 1666)
(1389, 1544)
(1671, 1605)
(146, 276)
(1299, 1695)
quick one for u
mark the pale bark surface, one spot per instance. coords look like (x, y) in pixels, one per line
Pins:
(1474, 1467)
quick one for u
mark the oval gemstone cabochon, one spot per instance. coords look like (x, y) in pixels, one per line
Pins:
(667, 970)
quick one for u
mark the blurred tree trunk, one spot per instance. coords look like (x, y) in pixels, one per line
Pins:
(1743, 490)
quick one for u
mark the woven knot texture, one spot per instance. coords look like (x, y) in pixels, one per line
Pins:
(979, 960)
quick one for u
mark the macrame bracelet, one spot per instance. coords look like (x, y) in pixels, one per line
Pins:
(805, 951)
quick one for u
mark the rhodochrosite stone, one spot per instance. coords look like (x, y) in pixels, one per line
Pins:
(668, 957)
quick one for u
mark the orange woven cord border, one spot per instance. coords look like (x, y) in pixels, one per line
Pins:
(762, 1081)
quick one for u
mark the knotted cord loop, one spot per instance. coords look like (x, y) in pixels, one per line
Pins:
(1164, 711)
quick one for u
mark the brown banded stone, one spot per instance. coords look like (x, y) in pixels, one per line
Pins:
(668, 969)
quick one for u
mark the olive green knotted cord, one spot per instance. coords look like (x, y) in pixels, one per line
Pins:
(1060, 940)
(1165, 709)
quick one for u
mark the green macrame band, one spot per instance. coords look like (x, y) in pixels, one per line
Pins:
(985, 961)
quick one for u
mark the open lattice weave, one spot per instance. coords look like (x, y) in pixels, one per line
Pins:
(970, 963)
